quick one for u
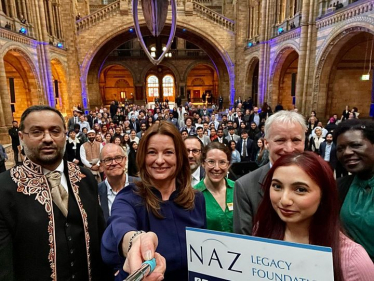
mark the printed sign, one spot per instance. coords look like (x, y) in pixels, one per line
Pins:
(218, 256)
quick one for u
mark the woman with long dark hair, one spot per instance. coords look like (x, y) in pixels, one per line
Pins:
(301, 205)
(132, 166)
(262, 155)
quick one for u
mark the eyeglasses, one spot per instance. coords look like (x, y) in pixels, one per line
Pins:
(117, 159)
(39, 134)
(194, 151)
(221, 163)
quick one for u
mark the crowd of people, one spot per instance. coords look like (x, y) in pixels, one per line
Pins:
(134, 159)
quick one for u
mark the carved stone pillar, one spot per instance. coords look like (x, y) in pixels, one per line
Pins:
(6, 116)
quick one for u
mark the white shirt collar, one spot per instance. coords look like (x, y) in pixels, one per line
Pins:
(60, 168)
(196, 174)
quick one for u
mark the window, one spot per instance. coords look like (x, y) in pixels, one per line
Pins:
(152, 85)
(168, 85)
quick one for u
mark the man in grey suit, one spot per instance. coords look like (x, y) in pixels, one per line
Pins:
(284, 133)
(200, 134)
(113, 158)
(232, 135)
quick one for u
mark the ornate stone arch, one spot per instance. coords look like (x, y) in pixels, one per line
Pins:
(122, 83)
(123, 64)
(193, 65)
(198, 82)
(324, 58)
(250, 68)
(26, 55)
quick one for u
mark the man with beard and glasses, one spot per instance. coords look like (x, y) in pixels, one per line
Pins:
(50, 219)
(194, 149)
(90, 154)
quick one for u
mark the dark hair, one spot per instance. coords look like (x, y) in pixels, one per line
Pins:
(365, 126)
(195, 138)
(36, 108)
(113, 140)
(186, 194)
(230, 142)
(262, 149)
(216, 145)
(324, 229)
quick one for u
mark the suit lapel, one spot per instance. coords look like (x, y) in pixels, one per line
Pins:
(264, 171)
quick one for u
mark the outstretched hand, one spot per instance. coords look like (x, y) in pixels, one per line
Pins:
(144, 248)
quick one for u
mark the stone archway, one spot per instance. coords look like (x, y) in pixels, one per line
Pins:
(338, 74)
(95, 58)
(116, 84)
(201, 79)
(22, 82)
(282, 88)
(251, 86)
(60, 86)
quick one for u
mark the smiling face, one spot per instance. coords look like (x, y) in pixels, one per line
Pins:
(355, 152)
(161, 160)
(193, 159)
(218, 172)
(113, 169)
(294, 196)
(284, 138)
(46, 151)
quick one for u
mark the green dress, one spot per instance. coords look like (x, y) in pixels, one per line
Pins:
(357, 213)
(217, 219)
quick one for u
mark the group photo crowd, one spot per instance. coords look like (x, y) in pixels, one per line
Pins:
(93, 195)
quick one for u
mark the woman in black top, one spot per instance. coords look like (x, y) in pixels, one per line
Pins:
(132, 166)
(72, 151)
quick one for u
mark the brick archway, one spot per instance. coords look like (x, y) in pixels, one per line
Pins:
(93, 60)
(280, 82)
(22, 81)
(59, 75)
(252, 69)
(325, 91)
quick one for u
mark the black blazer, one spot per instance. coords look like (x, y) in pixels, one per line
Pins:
(103, 196)
(333, 159)
(71, 154)
(250, 147)
(224, 141)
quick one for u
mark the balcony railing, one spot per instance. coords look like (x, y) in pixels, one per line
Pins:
(181, 53)
(350, 11)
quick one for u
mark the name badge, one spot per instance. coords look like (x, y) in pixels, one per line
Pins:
(230, 206)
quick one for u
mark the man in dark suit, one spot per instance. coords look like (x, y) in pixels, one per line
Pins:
(134, 124)
(284, 133)
(246, 154)
(75, 119)
(114, 160)
(50, 220)
(327, 150)
(255, 116)
(221, 138)
(13, 133)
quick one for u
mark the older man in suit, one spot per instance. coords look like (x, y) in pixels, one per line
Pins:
(284, 133)
(113, 159)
